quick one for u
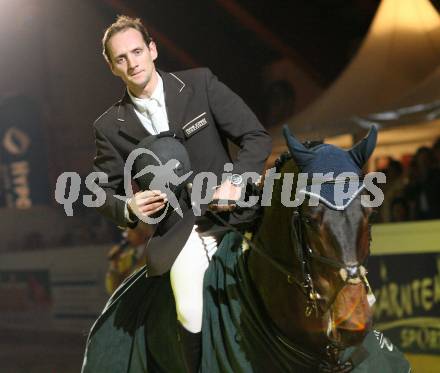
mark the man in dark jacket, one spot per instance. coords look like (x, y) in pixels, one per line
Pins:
(203, 113)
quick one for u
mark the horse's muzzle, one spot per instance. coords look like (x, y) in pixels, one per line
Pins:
(352, 315)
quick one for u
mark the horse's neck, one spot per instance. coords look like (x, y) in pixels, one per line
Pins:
(284, 301)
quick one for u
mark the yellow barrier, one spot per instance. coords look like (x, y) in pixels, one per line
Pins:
(410, 238)
(406, 238)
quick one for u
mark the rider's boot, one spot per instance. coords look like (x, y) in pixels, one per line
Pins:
(192, 347)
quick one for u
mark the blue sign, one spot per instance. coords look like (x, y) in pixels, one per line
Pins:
(23, 160)
(407, 308)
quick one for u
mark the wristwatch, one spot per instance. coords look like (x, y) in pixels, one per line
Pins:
(236, 180)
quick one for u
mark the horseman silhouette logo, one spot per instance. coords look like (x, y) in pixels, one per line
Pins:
(164, 176)
(159, 163)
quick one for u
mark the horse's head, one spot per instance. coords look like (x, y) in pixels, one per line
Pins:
(337, 246)
(324, 248)
(334, 235)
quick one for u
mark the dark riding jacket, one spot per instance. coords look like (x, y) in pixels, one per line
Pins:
(193, 96)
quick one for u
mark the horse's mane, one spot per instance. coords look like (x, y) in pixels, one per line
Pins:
(276, 216)
(283, 165)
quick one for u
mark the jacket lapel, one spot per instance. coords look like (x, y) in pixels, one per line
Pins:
(177, 94)
(129, 123)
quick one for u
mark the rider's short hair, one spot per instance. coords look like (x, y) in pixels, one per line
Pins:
(123, 23)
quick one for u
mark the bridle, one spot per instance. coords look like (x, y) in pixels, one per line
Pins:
(349, 273)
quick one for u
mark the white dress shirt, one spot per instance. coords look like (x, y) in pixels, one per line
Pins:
(153, 115)
(152, 111)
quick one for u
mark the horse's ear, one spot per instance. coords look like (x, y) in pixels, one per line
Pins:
(362, 151)
(299, 152)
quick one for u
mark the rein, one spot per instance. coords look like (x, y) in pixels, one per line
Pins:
(289, 274)
(306, 286)
(350, 274)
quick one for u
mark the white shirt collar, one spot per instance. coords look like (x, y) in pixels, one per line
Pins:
(157, 95)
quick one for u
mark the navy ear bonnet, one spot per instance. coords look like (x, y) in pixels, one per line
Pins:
(346, 166)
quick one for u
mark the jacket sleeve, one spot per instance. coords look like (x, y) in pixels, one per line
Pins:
(109, 161)
(239, 124)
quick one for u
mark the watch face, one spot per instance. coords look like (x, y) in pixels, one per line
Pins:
(236, 180)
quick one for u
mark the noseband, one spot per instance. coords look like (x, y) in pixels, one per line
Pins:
(350, 274)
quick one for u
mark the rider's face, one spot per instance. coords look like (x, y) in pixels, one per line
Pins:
(131, 59)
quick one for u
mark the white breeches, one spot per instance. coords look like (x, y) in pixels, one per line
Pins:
(187, 275)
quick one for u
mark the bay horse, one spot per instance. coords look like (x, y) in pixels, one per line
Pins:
(294, 297)
(308, 265)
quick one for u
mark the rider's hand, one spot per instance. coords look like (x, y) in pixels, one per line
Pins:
(146, 203)
(226, 191)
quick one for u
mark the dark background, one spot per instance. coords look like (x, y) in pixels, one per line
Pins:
(53, 72)
(54, 82)
(51, 53)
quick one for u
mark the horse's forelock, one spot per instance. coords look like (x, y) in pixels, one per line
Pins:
(284, 165)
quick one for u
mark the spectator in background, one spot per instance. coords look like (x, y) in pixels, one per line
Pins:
(126, 256)
(422, 191)
(399, 210)
(392, 189)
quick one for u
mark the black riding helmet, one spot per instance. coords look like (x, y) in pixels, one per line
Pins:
(164, 161)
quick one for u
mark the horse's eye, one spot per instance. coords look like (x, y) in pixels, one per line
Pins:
(313, 216)
(367, 211)
(371, 214)
(312, 221)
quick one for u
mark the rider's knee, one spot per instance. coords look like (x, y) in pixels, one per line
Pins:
(190, 316)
